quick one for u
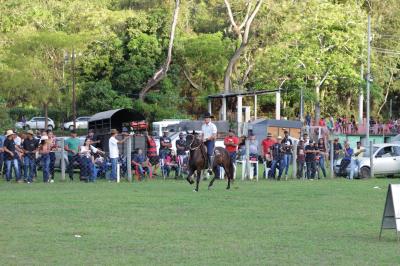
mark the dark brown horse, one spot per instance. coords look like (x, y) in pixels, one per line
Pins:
(198, 161)
(222, 159)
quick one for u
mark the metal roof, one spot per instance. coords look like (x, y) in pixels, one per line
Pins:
(243, 93)
(104, 115)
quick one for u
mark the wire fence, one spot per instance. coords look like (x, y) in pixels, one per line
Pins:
(88, 162)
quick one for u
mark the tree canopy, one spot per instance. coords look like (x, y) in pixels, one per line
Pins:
(317, 45)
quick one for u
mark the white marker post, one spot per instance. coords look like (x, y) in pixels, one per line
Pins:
(118, 172)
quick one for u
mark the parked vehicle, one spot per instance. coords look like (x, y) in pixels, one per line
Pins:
(81, 123)
(36, 123)
(386, 161)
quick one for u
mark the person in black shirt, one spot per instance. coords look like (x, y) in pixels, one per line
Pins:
(29, 147)
(322, 153)
(11, 156)
(95, 141)
(165, 145)
(287, 145)
(337, 149)
(277, 159)
(310, 159)
(181, 146)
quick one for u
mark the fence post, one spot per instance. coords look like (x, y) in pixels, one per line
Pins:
(371, 158)
(62, 159)
(331, 151)
(129, 159)
(294, 163)
(247, 164)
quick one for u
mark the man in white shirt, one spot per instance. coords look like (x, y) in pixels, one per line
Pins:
(355, 161)
(114, 152)
(209, 135)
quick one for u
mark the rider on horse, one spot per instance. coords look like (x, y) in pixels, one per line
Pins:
(209, 135)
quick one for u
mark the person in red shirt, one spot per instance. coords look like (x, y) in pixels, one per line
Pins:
(266, 144)
(231, 145)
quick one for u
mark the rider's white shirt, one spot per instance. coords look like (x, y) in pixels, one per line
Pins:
(208, 130)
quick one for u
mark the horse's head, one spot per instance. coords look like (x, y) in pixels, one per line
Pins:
(192, 140)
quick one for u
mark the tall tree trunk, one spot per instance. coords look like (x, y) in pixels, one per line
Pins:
(162, 72)
(387, 93)
(317, 92)
(243, 37)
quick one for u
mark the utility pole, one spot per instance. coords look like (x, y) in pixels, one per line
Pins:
(368, 77)
(73, 89)
(361, 98)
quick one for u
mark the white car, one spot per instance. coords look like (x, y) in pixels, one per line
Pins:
(36, 123)
(81, 123)
(386, 161)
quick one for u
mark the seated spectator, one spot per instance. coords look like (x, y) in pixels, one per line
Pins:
(86, 153)
(266, 148)
(253, 151)
(242, 147)
(170, 163)
(141, 163)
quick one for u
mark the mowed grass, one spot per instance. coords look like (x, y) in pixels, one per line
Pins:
(156, 222)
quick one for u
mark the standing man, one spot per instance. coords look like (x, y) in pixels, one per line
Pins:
(72, 147)
(310, 159)
(277, 159)
(287, 146)
(337, 148)
(209, 135)
(301, 157)
(30, 147)
(11, 156)
(165, 145)
(355, 161)
(52, 153)
(94, 139)
(231, 143)
(154, 159)
(114, 152)
(181, 149)
(2, 139)
(348, 153)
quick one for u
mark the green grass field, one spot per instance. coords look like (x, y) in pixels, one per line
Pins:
(326, 222)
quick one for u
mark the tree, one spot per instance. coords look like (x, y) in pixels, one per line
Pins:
(35, 67)
(162, 72)
(242, 32)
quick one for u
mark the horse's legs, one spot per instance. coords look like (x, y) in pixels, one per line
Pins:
(215, 169)
(229, 174)
(198, 180)
(188, 178)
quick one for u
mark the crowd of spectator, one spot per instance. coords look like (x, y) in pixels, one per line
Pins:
(25, 153)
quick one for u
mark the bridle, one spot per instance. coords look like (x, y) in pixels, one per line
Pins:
(191, 143)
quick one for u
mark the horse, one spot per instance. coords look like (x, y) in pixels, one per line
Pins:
(198, 161)
(222, 159)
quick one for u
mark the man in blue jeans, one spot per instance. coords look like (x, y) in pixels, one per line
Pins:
(2, 139)
(30, 147)
(209, 135)
(114, 152)
(11, 156)
(277, 159)
(287, 146)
